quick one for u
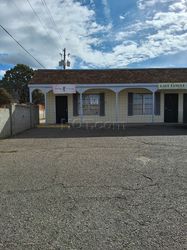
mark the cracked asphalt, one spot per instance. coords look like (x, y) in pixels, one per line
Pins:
(69, 192)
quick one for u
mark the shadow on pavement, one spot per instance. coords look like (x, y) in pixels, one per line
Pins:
(143, 130)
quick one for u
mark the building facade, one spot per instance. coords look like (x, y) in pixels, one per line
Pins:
(113, 96)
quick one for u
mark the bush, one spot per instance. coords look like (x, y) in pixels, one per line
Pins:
(5, 97)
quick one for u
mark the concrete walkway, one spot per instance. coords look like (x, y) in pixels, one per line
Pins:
(64, 131)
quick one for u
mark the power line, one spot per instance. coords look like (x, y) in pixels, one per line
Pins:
(51, 17)
(59, 34)
(22, 47)
(35, 13)
(45, 5)
(39, 19)
(20, 11)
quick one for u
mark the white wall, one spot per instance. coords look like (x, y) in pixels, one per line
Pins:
(110, 109)
(4, 122)
(50, 108)
(110, 115)
(20, 118)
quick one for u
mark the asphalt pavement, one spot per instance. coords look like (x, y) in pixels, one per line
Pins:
(67, 189)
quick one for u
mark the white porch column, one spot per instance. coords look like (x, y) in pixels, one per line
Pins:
(117, 106)
(46, 113)
(30, 95)
(81, 108)
(153, 106)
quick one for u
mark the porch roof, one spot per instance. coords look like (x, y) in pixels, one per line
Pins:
(159, 75)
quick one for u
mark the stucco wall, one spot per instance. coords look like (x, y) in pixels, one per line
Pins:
(4, 122)
(110, 109)
(18, 119)
(110, 115)
(50, 108)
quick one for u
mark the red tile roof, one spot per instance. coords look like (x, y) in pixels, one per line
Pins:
(154, 75)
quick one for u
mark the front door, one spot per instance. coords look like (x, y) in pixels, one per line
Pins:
(171, 108)
(61, 109)
(185, 108)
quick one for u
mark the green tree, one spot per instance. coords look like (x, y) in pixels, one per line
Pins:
(5, 97)
(16, 80)
(38, 97)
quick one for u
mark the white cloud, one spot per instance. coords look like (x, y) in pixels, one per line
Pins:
(162, 32)
(106, 9)
(179, 6)
(76, 24)
(143, 4)
(121, 17)
(129, 31)
(163, 19)
(2, 72)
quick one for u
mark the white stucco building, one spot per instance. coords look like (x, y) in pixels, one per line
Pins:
(113, 96)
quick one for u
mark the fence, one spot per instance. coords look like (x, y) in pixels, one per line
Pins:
(17, 118)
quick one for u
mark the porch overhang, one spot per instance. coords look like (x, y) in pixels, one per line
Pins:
(81, 88)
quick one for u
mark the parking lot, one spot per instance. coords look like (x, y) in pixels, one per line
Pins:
(84, 189)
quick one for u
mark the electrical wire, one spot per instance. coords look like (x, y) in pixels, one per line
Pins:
(37, 16)
(39, 19)
(20, 11)
(22, 47)
(51, 18)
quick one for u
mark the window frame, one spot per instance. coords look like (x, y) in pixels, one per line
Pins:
(140, 101)
(88, 108)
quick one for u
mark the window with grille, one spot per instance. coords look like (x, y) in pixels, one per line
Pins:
(142, 104)
(90, 103)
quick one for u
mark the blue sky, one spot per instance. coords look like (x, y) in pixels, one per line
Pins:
(97, 33)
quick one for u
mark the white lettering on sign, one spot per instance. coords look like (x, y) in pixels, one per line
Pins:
(172, 86)
(64, 89)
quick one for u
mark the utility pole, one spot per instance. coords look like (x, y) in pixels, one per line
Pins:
(64, 58)
(63, 62)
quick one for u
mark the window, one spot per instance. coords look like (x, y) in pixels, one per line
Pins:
(90, 103)
(142, 104)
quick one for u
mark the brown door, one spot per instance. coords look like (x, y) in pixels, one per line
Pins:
(171, 108)
(185, 108)
(61, 109)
